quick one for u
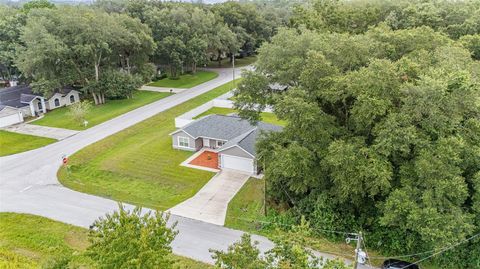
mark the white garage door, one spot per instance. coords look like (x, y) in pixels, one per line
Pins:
(10, 119)
(237, 163)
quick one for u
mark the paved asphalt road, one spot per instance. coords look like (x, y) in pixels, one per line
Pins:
(28, 182)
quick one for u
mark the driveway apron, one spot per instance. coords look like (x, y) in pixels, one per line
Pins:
(44, 131)
(211, 202)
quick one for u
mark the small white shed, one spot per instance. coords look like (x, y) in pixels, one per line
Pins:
(10, 116)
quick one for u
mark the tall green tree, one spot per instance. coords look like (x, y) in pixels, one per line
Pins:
(11, 23)
(385, 139)
(132, 239)
(74, 45)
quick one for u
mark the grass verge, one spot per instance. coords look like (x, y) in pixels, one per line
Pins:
(101, 113)
(266, 116)
(138, 165)
(11, 143)
(28, 241)
(239, 62)
(186, 81)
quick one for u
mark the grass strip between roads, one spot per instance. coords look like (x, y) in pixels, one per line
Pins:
(28, 241)
(112, 108)
(138, 165)
(11, 143)
(186, 81)
(239, 62)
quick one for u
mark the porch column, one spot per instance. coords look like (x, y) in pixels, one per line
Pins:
(44, 108)
(32, 108)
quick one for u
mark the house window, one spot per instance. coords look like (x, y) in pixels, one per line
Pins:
(57, 102)
(72, 99)
(183, 142)
(40, 105)
(220, 143)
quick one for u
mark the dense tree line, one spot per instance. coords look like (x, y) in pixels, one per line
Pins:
(383, 130)
(126, 40)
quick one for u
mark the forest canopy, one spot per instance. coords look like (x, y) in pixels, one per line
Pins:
(51, 46)
(383, 112)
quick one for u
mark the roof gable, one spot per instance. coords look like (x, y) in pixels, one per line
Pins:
(233, 129)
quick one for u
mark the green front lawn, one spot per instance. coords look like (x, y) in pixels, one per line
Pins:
(11, 143)
(98, 114)
(28, 241)
(239, 62)
(266, 116)
(246, 205)
(186, 81)
(138, 165)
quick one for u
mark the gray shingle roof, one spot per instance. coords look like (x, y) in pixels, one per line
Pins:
(219, 127)
(27, 98)
(247, 141)
(21, 95)
(12, 96)
(235, 130)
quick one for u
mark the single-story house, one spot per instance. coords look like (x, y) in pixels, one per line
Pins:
(231, 137)
(20, 101)
(30, 104)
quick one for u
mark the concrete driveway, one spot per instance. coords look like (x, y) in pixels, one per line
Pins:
(210, 203)
(44, 131)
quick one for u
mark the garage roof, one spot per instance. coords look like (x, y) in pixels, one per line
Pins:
(7, 111)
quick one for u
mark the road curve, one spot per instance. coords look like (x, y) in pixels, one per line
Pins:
(28, 182)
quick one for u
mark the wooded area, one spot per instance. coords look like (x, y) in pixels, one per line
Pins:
(93, 46)
(383, 132)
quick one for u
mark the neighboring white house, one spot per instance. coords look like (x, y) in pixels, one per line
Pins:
(28, 103)
(231, 137)
(63, 97)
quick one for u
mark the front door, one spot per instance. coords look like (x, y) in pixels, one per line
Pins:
(206, 142)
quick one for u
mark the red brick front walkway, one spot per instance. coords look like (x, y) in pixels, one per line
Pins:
(207, 159)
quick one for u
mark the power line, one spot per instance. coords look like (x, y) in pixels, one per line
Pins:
(444, 249)
(289, 225)
(401, 256)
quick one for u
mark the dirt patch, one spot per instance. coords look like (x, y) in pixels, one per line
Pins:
(77, 240)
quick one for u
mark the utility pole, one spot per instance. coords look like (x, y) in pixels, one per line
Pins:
(357, 249)
(233, 69)
(264, 190)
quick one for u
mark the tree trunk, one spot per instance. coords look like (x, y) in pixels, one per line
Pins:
(194, 67)
(97, 72)
(95, 99)
(128, 65)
